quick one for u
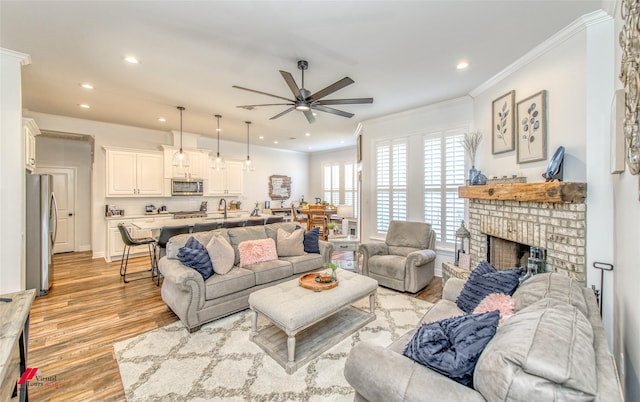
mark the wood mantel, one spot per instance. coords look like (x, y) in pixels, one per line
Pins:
(554, 192)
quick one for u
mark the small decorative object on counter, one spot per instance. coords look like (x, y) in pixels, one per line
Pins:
(461, 234)
(480, 179)
(554, 169)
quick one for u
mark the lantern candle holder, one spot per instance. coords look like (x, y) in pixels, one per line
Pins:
(462, 236)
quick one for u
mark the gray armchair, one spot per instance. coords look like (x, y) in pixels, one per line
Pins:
(405, 261)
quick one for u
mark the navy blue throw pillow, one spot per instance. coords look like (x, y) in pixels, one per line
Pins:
(484, 280)
(194, 255)
(310, 242)
(452, 346)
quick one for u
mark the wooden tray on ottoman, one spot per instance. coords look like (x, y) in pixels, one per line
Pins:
(308, 281)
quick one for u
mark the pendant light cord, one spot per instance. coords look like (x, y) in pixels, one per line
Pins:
(248, 122)
(180, 108)
(218, 118)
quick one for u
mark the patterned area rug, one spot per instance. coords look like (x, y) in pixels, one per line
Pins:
(220, 363)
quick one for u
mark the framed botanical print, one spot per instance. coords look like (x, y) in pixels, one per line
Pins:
(503, 123)
(532, 128)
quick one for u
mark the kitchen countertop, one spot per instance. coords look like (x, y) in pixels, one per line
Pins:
(210, 214)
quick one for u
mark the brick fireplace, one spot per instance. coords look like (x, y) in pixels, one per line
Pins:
(551, 216)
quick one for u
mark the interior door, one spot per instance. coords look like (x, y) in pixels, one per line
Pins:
(64, 189)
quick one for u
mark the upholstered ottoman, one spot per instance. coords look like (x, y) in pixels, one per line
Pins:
(306, 322)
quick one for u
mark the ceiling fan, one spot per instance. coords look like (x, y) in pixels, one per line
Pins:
(305, 101)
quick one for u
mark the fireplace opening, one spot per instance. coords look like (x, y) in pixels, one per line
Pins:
(505, 254)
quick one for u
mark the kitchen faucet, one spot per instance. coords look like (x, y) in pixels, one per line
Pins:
(225, 207)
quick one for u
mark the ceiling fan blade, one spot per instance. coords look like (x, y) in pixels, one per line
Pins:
(330, 89)
(331, 110)
(282, 113)
(262, 93)
(288, 78)
(309, 115)
(265, 104)
(344, 101)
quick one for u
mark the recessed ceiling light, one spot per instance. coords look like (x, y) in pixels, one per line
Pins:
(132, 60)
(86, 85)
(162, 120)
(261, 137)
(462, 65)
(307, 134)
(275, 142)
(342, 142)
(84, 106)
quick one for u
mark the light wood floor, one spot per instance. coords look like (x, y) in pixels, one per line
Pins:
(88, 309)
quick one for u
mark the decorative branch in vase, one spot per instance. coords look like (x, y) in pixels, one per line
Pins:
(470, 142)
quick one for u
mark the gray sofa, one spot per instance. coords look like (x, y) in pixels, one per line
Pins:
(552, 349)
(196, 301)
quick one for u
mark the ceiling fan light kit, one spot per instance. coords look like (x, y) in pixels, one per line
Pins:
(180, 158)
(304, 101)
(217, 162)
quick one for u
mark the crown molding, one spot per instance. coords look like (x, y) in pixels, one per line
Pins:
(576, 27)
(24, 58)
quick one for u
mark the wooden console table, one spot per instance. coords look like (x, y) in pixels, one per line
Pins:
(14, 327)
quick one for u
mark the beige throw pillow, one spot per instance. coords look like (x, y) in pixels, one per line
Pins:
(221, 254)
(290, 244)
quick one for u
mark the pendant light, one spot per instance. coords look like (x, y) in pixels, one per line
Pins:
(248, 164)
(217, 162)
(180, 158)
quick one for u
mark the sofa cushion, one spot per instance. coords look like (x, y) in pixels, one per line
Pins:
(452, 346)
(391, 266)
(238, 235)
(311, 241)
(255, 251)
(272, 229)
(270, 271)
(304, 263)
(194, 255)
(441, 310)
(544, 353)
(409, 235)
(221, 254)
(234, 281)
(484, 280)
(551, 285)
(290, 244)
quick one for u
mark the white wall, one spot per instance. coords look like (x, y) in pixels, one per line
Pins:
(268, 162)
(60, 152)
(626, 273)
(12, 179)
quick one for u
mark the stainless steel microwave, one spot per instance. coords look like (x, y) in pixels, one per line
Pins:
(183, 186)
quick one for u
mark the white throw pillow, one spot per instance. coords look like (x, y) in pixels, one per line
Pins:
(290, 244)
(221, 254)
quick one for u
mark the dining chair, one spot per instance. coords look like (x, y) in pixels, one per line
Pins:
(317, 217)
(297, 218)
(166, 233)
(133, 242)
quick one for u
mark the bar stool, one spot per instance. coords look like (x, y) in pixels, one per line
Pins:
(131, 242)
(254, 222)
(205, 227)
(274, 219)
(232, 224)
(166, 233)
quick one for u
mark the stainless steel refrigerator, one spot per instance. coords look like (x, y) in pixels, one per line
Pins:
(41, 230)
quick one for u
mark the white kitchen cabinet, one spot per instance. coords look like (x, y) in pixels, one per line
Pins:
(198, 164)
(30, 130)
(134, 173)
(227, 181)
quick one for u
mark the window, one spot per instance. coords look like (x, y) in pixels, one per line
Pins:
(443, 173)
(340, 184)
(391, 182)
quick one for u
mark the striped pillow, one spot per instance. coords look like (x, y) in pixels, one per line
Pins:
(194, 255)
(483, 281)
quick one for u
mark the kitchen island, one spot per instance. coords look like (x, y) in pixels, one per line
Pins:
(159, 224)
